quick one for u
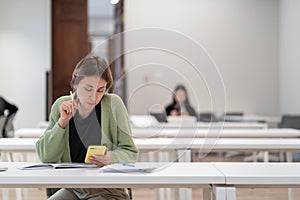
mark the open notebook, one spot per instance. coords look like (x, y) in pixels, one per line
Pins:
(34, 166)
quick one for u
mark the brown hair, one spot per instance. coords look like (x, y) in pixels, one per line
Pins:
(92, 66)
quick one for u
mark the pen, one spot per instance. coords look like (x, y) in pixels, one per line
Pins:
(128, 165)
(72, 95)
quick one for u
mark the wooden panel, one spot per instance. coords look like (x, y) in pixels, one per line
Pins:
(69, 42)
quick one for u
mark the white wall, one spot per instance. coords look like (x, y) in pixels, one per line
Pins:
(241, 36)
(289, 56)
(24, 57)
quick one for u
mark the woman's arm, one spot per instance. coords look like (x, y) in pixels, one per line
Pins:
(51, 145)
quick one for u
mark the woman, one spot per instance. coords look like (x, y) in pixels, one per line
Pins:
(89, 117)
(180, 104)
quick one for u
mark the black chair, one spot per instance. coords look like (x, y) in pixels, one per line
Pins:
(160, 116)
(206, 117)
(2, 123)
(290, 121)
(233, 116)
(8, 129)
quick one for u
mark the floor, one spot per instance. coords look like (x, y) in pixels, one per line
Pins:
(149, 194)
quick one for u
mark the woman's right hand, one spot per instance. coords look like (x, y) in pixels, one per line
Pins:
(67, 110)
(174, 113)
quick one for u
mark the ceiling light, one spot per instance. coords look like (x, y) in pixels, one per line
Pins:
(114, 1)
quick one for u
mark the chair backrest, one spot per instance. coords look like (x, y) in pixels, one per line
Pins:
(290, 121)
(206, 117)
(160, 117)
(9, 126)
(233, 116)
(2, 123)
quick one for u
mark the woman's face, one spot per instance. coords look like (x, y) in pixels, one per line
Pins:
(90, 91)
(180, 96)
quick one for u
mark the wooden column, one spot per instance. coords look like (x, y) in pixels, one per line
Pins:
(69, 42)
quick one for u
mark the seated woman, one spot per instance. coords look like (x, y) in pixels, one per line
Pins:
(180, 104)
(90, 116)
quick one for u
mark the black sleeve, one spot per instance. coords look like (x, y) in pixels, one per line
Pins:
(169, 108)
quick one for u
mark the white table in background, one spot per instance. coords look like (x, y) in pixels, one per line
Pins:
(205, 125)
(216, 133)
(188, 133)
(183, 146)
(29, 132)
(148, 121)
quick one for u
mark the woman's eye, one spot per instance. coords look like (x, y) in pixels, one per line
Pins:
(100, 91)
(87, 89)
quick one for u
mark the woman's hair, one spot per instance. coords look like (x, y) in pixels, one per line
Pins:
(92, 66)
(180, 87)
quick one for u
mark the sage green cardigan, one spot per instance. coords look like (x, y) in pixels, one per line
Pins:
(53, 145)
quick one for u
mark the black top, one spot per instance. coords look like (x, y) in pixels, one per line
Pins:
(84, 132)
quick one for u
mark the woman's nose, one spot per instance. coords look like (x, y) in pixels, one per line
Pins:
(93, 95)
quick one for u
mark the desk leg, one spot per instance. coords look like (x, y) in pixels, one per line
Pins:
(224, 192)
(164, 193)
(266, 156)
(5, 194)
(206, 193)
(184, 155)
(289, 158)
(152, 157)
(185, 193)
(18, 193)
(4, 157)
(291, 193)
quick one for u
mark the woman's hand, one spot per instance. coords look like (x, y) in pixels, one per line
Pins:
(67, 110)
(99, 160)
(174, 113)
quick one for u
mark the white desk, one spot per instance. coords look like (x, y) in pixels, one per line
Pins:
(224, 177)
(259, 175)
(182, 146)
(176, 175)
(29, 132)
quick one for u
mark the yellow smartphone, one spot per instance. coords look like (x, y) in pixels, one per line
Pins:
(94, 150)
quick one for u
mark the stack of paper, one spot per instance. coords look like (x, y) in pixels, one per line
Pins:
(128, 168)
